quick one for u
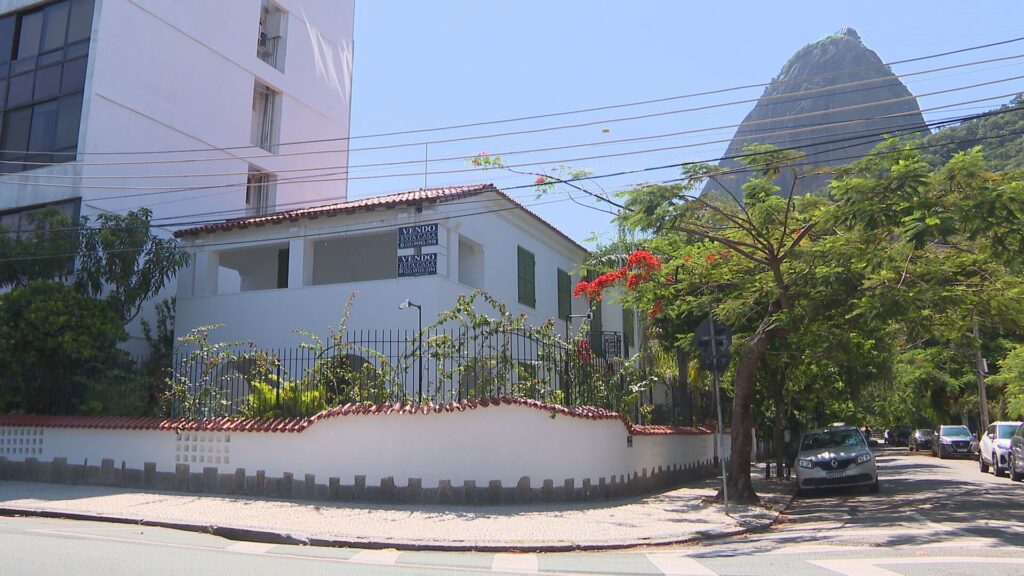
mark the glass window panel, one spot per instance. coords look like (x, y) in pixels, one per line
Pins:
(20, 66)
(51, 57)
(69, 118)
(31, 32)
(3, 94)
(15, 133)
(6, 38)
(20, 90)
(44, 127)
(75, 50)
(56, 25)
(73, 79)
(47, 82)
(80, 22)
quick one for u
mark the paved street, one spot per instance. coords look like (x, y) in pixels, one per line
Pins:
(932, 517)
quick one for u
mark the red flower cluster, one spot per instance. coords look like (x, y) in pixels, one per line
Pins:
(655, 310)
(638, 269)
(541, 180)
(583, 352)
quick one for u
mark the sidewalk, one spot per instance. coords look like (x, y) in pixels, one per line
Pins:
(672, 517)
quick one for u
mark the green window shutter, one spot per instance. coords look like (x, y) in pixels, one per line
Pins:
(628, 332)
(527, 279)
(282, 268)
(564, 294)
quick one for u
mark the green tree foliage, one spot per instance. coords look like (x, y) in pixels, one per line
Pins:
(72, 289)
(56, 347)
(1001, 136)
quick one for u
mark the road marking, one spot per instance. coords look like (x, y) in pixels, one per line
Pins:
(678, 565)
(869, 566)
(518, 563)
(383, 557)
(250, 547)
(942, 527)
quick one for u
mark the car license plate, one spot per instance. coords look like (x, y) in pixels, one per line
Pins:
(838, 474)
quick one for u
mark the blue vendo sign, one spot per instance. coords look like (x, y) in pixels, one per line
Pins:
(417, 265)
(418, 235)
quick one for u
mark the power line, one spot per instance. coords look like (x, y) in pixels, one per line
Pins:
(865, 135)
(553, 114)
(811, 94)
(525, 186)
(314, 178)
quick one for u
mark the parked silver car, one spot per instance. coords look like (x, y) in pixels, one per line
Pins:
(995, 447)
(835, 456)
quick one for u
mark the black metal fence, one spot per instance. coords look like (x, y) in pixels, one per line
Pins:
(387, 366)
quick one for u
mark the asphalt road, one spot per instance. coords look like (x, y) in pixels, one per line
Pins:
(932, 517)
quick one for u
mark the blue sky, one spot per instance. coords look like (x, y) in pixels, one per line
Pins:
(424, 64)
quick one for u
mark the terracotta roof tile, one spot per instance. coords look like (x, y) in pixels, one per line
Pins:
(285, 425)
(412, 197)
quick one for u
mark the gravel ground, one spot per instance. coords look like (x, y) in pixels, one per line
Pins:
(676, 515)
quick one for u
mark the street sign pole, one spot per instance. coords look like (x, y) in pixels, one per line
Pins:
(718, 402)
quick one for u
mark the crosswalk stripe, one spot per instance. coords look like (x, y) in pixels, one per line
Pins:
(868, 566)
(519, 563)
(376, 557)
(678, 565)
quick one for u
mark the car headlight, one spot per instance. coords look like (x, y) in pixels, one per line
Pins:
(863, 458)
(805, 463)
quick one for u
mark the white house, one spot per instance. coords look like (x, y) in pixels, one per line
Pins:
(194, 109)
(264, 277)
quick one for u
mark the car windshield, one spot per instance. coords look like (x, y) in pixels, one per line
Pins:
(832, 439)
(955, 431)
(1005, 431)
(925, 433)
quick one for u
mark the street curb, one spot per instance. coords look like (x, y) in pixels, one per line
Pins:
(270, 537)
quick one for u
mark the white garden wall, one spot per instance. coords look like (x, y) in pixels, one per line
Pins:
(502, 442)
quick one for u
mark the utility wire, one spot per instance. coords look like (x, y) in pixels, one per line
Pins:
(525, 186)
(811, 94)
(313, 178)
(552, 114)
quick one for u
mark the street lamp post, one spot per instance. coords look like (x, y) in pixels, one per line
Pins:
(419, 341)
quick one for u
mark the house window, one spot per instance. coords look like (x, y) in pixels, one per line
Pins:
(596, 329)
(564, 294)
(527, 278)
(265, 111)
(471, 263)
(43, 56)
(270, 44)
(259, 192)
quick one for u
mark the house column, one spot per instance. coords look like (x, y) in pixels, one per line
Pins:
(207, 266)
(300, 263)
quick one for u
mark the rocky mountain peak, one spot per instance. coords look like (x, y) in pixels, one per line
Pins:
(833, 101)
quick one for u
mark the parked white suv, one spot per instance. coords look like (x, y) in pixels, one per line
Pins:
(995, 447)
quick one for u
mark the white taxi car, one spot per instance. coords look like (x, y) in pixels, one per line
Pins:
(833, 457)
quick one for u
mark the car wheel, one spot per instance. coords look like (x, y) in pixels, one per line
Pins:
(1014, 475)
(996, 468)
(874, 487)
(942, 456)
(982, 465)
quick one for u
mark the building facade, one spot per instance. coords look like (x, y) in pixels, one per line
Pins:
(263, 278)
(197, 110)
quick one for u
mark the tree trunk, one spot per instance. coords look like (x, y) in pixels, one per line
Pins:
(741, 490)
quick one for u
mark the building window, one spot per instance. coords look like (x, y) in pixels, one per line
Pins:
(259, 192)
(471, 263)
(527, 278)
(564, 294)
(43, 57)
(270, 45)
(265, 111)
(628, 329)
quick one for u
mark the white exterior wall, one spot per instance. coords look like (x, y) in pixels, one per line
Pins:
(179, 76)
(496, 443)
(269, 317)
